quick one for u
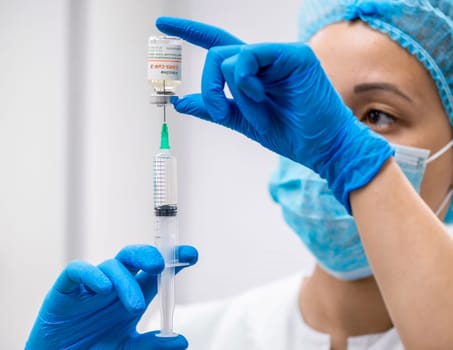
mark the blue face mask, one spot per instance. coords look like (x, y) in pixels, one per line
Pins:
(323, 224)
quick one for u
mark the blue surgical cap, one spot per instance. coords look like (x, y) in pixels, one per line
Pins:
(423, 27)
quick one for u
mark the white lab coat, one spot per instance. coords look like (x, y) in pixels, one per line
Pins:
(266, 318)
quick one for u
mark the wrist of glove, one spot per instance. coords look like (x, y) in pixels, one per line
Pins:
(366, 154)
(282, 99)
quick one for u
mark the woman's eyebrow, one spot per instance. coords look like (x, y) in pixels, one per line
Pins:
(381, 86)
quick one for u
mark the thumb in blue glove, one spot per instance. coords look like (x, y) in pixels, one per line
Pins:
(98, 307)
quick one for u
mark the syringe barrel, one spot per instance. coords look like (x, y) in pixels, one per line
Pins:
(165, 184)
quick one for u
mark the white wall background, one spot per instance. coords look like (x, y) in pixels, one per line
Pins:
(77, 138)
(32, 159)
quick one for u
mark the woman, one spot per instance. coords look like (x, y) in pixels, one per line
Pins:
(369, 129)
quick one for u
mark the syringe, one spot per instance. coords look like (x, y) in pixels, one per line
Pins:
(164, 75)
(166, 239)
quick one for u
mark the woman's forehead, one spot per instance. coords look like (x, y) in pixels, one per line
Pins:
(353, 41)
(352, 52)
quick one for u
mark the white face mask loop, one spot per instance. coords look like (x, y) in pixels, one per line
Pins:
(413, 157)
(432, 158)
(440, 152)
(444, 202)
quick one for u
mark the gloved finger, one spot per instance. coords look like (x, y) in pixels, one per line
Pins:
(186, 255)
(79, 272)
(260, 64)
(284, 57)
(255, 113)
(213, 82)
(125, 285)
(148, 282)
(192, 104)
(245, 67)
(141, 257)
(152, 341)
(197, 33)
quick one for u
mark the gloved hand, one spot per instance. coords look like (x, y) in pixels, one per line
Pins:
(282, 99)
(99, 307)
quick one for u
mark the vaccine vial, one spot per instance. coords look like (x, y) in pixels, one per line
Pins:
(164, 67)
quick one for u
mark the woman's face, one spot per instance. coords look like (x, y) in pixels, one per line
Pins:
(391, 92)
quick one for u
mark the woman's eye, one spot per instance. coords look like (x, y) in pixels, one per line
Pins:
(379, 121)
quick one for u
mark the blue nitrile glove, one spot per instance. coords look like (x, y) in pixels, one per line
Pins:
(197, 33)
(98, 307)
(282, 99)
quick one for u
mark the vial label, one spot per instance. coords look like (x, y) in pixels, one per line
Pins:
(164, 62)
